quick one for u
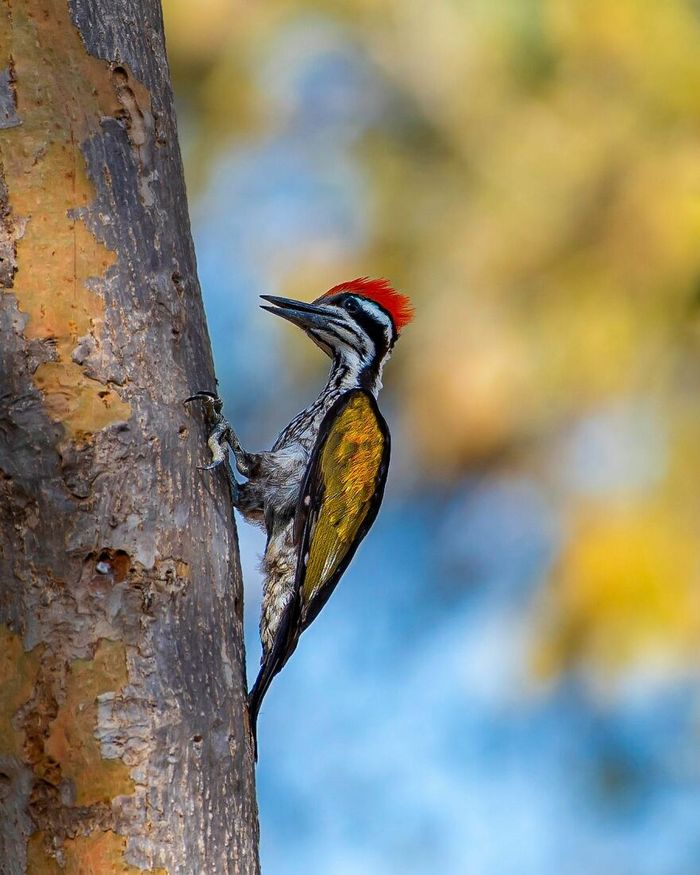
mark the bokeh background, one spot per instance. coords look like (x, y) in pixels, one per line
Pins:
(506, 680)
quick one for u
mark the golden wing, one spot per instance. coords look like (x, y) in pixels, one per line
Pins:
(339, 500)
(340, 496)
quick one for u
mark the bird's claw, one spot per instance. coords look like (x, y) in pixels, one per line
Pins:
(220, 431)
(210, 466)
(212, 403)
(221, 436)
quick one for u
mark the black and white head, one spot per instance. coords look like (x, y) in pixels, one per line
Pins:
(356, 323)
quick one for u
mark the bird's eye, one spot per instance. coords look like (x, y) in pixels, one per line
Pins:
(351, 305)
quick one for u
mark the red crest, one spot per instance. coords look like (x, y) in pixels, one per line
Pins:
(398, 306)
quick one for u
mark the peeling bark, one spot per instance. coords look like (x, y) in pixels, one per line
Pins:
(123, 745)
(8, 97)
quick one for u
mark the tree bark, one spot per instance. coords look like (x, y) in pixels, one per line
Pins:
(123, 744)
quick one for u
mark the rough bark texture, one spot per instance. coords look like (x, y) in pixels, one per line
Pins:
(123, 744)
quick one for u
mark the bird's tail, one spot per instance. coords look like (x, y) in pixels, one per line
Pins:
(273, 661)
(262, 683)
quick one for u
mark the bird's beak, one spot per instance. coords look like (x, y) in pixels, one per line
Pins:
(304, 315)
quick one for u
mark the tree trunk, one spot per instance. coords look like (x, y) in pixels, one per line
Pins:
(123, 744)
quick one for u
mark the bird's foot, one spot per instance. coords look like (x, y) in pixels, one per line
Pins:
(221, 432)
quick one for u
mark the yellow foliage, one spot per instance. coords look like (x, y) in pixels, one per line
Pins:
(627, 587)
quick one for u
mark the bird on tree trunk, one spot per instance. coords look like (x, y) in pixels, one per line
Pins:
(318, 490)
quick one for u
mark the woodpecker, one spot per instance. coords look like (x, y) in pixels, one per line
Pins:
(318, 490)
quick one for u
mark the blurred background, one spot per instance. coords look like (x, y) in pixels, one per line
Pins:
(506, 680)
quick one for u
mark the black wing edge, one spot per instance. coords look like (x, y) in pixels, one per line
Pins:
(313, 488)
